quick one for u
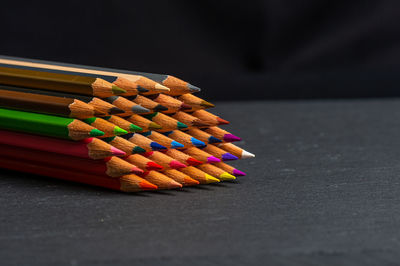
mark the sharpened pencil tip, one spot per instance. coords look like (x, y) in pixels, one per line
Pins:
(156, 147)
(236, 172)
(193, 88)
(213, 159)
(115, 110)
(197, 143)
(175, 145)
(213, 139)
(117, 90)
(188, 181)
(231, 138)
(181, 125)
(211, 179)
(138, 149)
(160, 87)
(222, 121)
(176, 164)
(185, 106)
(137, 170)
(146, 185)
(160, 108)
(96, 133)
(134, 128)
(193, 162)
(138, 109)
(119, 131)
(153, 166)
(226, 177)
(206, 104)
(117, 152)
(229, 157)
(154, 125)
(246, 154)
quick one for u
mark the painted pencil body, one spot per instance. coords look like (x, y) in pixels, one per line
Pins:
(30, 102)
(144, 142)
(110, 166)
(221, 134)
(167, 123)
(142, 122)
(128, 106)
(202, 135)
(216, 172)
(162, 139)
(199, 175)
(181, 178)
(209, 118)
(48, 125)
(108, 128)
(230, 169)
(172, 104)
(70, 83)
(235, 150)
(143, 162)
(130, 82)
(123, 123)
(127, 183)
(124, 145)
(182, 157)
(160, 180)
(184, 138)
(164, 160)
(92, 148)
(219, 153)
(201, 155)
(147, 103)
(189, 120)
(195, 102)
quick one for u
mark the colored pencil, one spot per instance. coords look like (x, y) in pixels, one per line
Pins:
(222, 134)
(163, 140)
(217, 172)
(201, 155)
(202, 135)
(108, 128)
(235, 150)
(147, 103)
(160, 180)
(164, 160)
(51, 105)
(127, 183)
(209, 118)
(101, 107)
(195, 102)
(130, 82)
(166, 122)
(128, 106)
(143, 162)
(189, 120)
(184, 138)
(219, 153)
(230, 169)
(110, 166)
(172, 104)
(180, 177)
(92, 148)
(124, 145)
(182, 157)
(48, 125)
(71, 82)
(144, 142)
(123, 123)
(199, 175)
(144, 123)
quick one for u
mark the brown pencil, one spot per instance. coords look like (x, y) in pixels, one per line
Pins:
(189, 120)
(167, 123)
(147, 103)
(128, 106)
(195, 102)
(209, 118)
(172, 104)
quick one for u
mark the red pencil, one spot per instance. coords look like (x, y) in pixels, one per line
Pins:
(88, 148)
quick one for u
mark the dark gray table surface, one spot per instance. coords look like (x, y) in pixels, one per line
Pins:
(323, 189)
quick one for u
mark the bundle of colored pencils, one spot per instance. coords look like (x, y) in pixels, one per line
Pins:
(126, 131)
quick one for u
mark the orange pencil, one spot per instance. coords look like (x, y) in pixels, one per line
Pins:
(173, 104)
(235, 150)
(195, 102)
(160, 180)
(199, 175)
(147, 103)
(181, 178)
(209, 118)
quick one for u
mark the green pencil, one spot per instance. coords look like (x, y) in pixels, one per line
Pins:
(48, 125)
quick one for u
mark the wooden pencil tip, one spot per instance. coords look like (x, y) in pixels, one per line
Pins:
(222, 121)
(96, 133)
(146, 185)
(185, 106)
(160, 87)
(188, 181)
(206, 104)
(117, 90)
(176, 164)
(117, 152)
(154, 125)
(193, 88)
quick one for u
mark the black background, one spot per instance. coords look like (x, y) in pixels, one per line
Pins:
(232, 49)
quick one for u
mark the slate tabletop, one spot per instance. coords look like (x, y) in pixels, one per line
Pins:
(324, 189)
